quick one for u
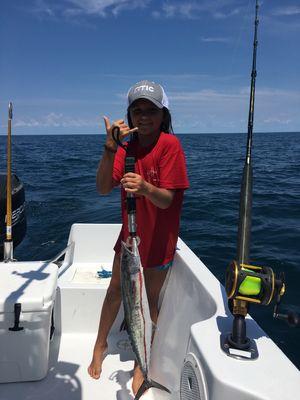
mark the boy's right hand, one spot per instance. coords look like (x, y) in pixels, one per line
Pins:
(124, 132)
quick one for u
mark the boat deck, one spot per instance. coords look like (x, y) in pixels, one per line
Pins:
(186, 353)
(67, 378)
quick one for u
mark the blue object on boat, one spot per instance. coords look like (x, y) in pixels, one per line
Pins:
(104, 273)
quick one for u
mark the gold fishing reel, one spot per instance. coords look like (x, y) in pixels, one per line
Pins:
(253, 284)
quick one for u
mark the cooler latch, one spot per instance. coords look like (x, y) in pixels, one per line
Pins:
(16, 327)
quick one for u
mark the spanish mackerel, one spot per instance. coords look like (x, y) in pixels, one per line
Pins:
(137, 313)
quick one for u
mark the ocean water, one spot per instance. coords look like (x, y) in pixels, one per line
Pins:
(58, 173)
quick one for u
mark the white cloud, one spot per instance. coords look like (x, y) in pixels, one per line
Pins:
(218, 9)
(43, 9)
(193, 109)
(215, 39)
(72, 9)
(212, 110)
(205, 95)
(76, 8)
(156, 14)
(288, 10)
(54, 120)
(283, 20)
(186, 10)
(241, 93)
(279, 94)
(276, 120)
(224, 15)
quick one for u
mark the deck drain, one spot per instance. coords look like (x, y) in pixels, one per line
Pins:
(192, 382)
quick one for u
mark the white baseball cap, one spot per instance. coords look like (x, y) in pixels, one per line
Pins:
(150, 91)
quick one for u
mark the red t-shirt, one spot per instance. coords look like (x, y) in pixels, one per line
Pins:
(163, 165)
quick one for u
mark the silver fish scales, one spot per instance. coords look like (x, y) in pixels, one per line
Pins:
(136, 312)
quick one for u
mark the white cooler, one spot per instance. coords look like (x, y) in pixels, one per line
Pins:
(27, 293)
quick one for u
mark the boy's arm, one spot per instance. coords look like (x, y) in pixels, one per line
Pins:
(104, 181)
(160, 197)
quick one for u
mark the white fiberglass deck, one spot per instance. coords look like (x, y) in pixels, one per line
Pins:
(79, 299)
(68, 378)
(193, 314)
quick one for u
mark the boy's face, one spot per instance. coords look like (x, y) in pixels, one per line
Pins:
(146, 116)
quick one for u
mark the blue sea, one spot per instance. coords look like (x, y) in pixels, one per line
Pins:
(58, 173)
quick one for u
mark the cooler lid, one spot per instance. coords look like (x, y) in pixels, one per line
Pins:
(33, 284)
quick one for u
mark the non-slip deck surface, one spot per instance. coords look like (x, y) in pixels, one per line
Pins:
(68, 379)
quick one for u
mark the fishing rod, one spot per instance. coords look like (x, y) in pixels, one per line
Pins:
(244, 229)
(130, 198)
(245, 283)
(8, 243)
(130, 203)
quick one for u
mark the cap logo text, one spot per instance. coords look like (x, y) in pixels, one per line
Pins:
(144, 87)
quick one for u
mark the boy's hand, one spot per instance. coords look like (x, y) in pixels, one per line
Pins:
(134, 183)
(124, 131)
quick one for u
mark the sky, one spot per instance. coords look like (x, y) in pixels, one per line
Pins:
(66, 63)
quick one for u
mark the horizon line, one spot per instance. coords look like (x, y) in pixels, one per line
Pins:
(177, 133)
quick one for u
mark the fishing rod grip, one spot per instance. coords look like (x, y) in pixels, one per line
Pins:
(130, 198)
(129, 164)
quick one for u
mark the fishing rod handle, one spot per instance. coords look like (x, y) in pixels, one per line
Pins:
(129, 164)
(130, 198)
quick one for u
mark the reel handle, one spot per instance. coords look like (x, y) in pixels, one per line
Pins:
(291, 318)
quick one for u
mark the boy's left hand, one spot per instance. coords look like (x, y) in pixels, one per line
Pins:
(134, 183)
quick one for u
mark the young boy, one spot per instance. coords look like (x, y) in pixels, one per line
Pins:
(159, 182)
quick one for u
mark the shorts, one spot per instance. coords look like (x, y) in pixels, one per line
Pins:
(164, 267)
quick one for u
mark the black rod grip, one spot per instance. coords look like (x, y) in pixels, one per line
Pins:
(129, 164)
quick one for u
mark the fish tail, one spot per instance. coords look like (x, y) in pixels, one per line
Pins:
(147, 384)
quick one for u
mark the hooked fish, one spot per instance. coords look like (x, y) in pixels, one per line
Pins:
(137, 313)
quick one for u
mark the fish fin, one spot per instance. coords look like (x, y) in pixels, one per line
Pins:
(157, 385)
(144, 386)
(147, 384)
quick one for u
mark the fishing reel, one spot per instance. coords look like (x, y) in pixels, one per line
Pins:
(246, 284)
(253, 284)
